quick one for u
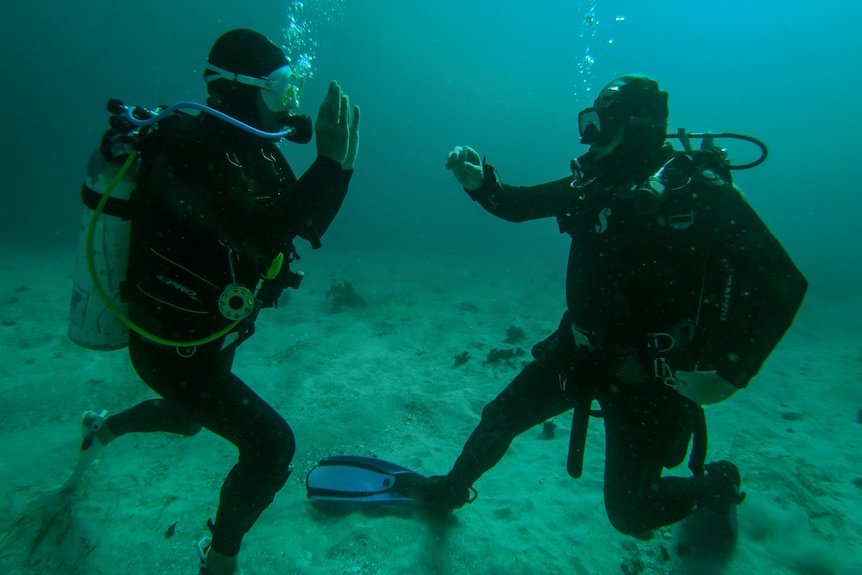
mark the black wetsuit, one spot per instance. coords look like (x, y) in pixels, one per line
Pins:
(213, 208)
(657, 282)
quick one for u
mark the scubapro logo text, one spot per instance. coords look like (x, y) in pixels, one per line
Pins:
(190, 293)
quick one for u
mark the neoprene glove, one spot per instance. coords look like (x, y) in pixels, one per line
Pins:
(466, 165)
(332, 127)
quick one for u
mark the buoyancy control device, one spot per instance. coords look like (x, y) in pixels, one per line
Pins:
(98, 316)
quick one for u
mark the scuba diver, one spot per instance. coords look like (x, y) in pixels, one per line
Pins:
(676, 293)
(214, 216)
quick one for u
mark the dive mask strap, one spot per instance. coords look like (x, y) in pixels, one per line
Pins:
(222, 74)
(282, 87)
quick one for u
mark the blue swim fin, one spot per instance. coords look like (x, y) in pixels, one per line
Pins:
(360, 479)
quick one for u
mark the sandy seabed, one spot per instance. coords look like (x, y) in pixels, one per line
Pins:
(381, 380)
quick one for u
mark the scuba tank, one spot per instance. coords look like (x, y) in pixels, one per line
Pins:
(98, 317)
(91, 323)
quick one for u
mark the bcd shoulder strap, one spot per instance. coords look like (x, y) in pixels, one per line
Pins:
(684, 177)
(178, 127)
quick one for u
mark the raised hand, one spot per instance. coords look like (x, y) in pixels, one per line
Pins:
(332, 127)
(466, 165)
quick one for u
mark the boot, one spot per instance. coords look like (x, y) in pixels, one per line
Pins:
(721, 487)
(214, 563)
(439, 492)
(95, 436)
(720, 493)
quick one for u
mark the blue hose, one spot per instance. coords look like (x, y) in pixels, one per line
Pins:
(162, 114)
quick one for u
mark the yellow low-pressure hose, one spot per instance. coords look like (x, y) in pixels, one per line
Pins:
(91, 230)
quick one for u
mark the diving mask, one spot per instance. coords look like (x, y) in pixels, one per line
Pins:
(281, 90)
(590, 126)
(597, 126)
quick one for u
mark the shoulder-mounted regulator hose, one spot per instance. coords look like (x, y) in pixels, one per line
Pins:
(708, 142)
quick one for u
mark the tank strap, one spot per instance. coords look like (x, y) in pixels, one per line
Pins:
(113, 207)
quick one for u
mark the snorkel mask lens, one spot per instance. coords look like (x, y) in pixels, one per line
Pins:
(589, 126)
(282, 90)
